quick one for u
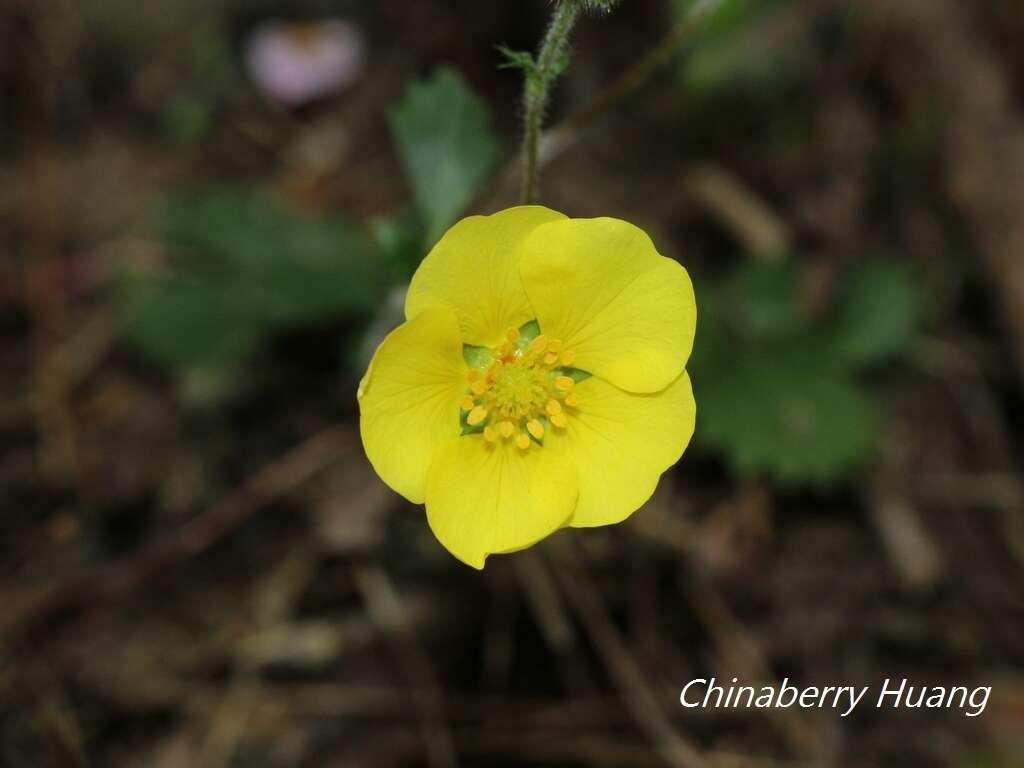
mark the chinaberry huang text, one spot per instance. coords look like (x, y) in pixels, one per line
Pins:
(708, 693)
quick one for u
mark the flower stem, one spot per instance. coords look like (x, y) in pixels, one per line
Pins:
(550, 63)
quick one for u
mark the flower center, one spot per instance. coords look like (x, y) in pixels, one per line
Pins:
(521, 390)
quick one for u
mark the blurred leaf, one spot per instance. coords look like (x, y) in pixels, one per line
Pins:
(182, 321)
(877, 313)
(775, 395)
(246, 266)
(447, 145)
(294, 267)
(760, 300)
(722, 17)
(720, 51)
(781, 411)
(712, 342)
(402, 241)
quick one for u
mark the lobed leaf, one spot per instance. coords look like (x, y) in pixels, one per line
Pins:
(783, 413)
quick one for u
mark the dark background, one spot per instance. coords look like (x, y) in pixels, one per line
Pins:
(199, 568)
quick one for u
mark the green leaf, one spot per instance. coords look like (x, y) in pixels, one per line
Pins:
(760, 300)
(401, 240)
(721, 17)
(712, 347)
(186, 322)
(290, 267)
(245, 266)
(781, 411)
(721, 50)
(446, 144)
(877, 313)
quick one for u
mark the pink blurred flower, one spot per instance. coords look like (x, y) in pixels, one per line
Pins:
(293, 62)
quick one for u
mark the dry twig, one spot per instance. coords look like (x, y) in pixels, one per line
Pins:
(624, 669)
(197, 535)
(385, 609)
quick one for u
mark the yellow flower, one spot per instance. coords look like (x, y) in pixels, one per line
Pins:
(537, 382)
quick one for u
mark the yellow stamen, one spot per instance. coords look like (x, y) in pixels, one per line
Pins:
(568, 357)
(564, 383)
(537, 346)
(522, 394)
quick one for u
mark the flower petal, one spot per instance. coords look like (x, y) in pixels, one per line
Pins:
(601, 287)
(474, 271)
(486, 499)
(621, 443)
(409, 399)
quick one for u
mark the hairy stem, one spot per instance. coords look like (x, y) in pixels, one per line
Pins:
(537, 91)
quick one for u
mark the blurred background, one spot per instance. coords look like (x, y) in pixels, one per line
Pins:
(209, 211)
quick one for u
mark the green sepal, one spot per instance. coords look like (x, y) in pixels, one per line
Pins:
(546, 424)
(529, 331)
(576, 374)
(477, 357)
(467, 429)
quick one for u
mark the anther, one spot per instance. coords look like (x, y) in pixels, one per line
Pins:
(538, 345)
(554, 407)
(490, 434)
(572, 399)
(522, 441)
(506, 429)
(564, 383)
(559, 420)
(550, 358)
(512, 335)
(478, 414)
(568, 357)
(467, 403)
(478, 387)
(535, 428)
